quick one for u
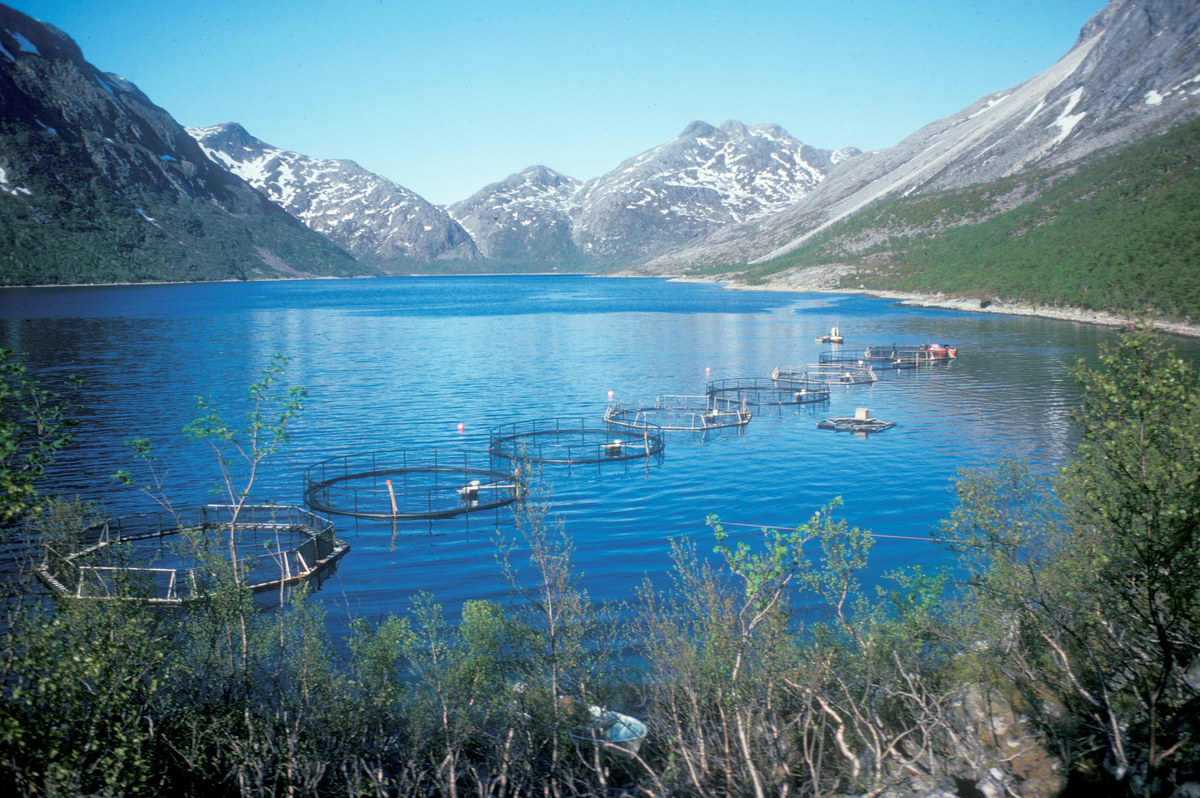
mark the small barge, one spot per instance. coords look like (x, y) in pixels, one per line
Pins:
(861, 422)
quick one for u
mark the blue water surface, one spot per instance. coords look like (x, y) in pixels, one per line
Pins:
(399, 363)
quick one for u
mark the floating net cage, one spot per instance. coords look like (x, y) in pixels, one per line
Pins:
(406, 485)
(157, 558)
(759, 392)
(826, 373)
(679, 413)
(908, 356)
(575, 441)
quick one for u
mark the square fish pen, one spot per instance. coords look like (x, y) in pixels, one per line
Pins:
(679, 413)
(908, 356)
(854, 362)
(159, 558)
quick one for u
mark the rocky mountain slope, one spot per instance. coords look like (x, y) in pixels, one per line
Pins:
(1134, 72)
(98, 184)
(376, 220)
(526, 216)
(704, 179)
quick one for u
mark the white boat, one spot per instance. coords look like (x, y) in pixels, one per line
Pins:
(620, 733)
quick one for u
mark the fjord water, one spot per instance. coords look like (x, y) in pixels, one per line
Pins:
(399, 363)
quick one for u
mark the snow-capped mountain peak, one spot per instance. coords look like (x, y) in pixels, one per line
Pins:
(376, 220)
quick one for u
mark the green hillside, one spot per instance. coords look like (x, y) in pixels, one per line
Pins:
(1120, 232)
(75, 227)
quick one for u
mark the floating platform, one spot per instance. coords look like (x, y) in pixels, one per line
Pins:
(860, 422)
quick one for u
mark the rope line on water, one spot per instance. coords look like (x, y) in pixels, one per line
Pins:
(872, 534)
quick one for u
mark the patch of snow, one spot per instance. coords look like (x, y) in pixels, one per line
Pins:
(990, 105)
(169, 158)
(7, 54)
(1066, 122)
(147, 218)
(3, 177)
(24, 44)
(1153, 98)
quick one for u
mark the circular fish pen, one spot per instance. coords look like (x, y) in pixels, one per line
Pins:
(760, 392)
(828, 374)
(574, 442)
(678, 413)
(165, 559)
(405, 485)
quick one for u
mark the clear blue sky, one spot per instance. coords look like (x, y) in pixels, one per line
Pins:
(447, 96)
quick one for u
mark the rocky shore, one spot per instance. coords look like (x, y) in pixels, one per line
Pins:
(826, 279)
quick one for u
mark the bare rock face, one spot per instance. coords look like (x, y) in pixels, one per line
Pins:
(1133, 73)
(993, 749)
(984, 748)
(376, 220)
(523, 217)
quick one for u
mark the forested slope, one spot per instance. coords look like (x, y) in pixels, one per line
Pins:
(1117, 232)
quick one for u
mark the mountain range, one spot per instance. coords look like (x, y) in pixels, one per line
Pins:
(700, 181)
(98, 184)
(375, 220)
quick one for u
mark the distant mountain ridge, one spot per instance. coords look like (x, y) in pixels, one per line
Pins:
(379, 222)
(704, 179)
(524, 216)
(98, 184)
(1134, 72)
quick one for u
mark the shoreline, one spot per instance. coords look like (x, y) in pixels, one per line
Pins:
(818, 284)
(294, 279)
(813, 280)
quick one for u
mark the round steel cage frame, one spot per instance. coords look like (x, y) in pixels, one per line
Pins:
(319, 550)
(830, 374)
(506, 439)
(761, 392)
(480, 477)
(703, 413)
